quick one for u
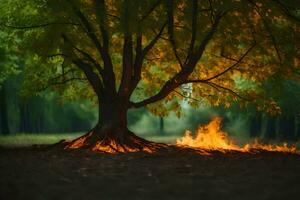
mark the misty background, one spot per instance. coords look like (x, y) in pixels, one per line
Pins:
(47, 113)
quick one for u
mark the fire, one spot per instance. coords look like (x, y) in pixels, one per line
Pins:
(79, 142)
(211, 137)
(112, 146)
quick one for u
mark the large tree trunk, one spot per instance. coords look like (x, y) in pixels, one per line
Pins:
(111, 134)
(113, 118)
(3, 111)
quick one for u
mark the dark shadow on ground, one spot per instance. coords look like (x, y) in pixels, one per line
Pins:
(47, 173)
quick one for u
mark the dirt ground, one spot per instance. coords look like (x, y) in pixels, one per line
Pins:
(47, 173)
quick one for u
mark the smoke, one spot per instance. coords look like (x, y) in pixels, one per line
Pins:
(146, 123)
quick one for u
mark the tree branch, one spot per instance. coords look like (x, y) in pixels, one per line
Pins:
(187, 97)
(85, 54)
(57, 55)
(92, 77)
(216, 86)
(236, 60)
(39, 25)
(147, 13)
(141, 54)
(268, 29)
(194, 27)
(153, 41)
(138, 62)
(194, 57)
(68, 80)
(127, 64)
(181, 77)
(102, 23)
(127, 55)
(287, 11)
(170, 23)
(109, 78)
(232, 66)
(62, 75)
(60, 83)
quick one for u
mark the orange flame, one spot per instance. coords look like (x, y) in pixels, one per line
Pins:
(78, 142)
(112, 146)
(211, 137)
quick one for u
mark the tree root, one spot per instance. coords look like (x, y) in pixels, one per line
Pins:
(106, 142)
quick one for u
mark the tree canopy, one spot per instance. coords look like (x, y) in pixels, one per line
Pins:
(159, 43)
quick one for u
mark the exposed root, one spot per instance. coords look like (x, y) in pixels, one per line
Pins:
(104, 142)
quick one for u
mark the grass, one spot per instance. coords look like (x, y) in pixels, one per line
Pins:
(28, 139)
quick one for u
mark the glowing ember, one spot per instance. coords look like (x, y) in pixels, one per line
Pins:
(112, 146)
(79, 142)
(211, 137)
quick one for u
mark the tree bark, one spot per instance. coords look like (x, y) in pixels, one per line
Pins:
(113, 117)
(111, 134)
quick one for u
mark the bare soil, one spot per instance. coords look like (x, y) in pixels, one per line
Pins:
(51, 173)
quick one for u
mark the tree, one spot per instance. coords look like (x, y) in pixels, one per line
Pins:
(136, 53)
(3, 111)
(7, 69)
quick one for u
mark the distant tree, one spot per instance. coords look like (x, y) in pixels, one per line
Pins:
(7, 69)
(161, 125)
(134, 53)
(3, 111)
(286, 93)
